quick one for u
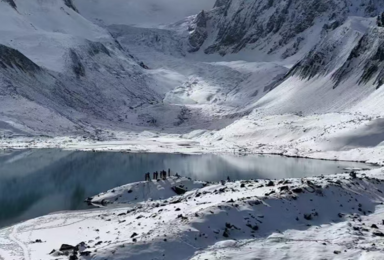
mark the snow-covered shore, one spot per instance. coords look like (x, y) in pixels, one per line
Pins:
(333, 136)
(332, 217)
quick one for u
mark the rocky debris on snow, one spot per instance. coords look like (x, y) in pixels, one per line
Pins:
(214, 213)
(65, 247)
(72, 251)
(132, 193)
(378, 233)
(297, 190)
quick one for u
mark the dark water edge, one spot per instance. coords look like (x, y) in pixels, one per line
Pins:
(41, 181)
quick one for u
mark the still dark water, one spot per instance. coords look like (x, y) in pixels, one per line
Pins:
(37, 182)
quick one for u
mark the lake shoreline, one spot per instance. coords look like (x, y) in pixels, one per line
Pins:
(324, 157)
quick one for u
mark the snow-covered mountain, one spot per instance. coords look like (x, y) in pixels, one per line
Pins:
(333, 47)
(78, 67)
(273, 29)
(59, 70)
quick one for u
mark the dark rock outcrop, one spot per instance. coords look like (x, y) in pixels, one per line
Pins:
(70, 4)
(66, 247)
(270, 25)
(179, 190)
(77, 66)
(11, 3)
(13, 59)
(199, 33)
(96, 48)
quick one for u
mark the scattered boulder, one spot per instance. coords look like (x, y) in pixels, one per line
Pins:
(308, 216)
(356, 228)
(73, 256)
(270, 193)
(353, 175)
(65, 247)
(85, 253)
(374, 226)
(179, 190)
(182, 217)
(228, 225)
(141, 64)
(270, 184)
(297, 190)
(255, 227)
(226, 233)
(378, 233)
(134, 235)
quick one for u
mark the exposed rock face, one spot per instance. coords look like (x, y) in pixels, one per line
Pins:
(272, 26)
(68, 3)
(11, 58)
(199, 33)
(221, 3)
(96, 48)
(11, 3)
(77, 66)
(363, 59)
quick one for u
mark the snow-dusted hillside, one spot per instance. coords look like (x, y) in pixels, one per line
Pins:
(62, 74)
(333, 217)
(237, 74)
(275, 29)
(292, 77)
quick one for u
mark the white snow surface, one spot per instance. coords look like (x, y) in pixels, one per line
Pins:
(333, 217)
(119, 75)
(185, 102)
(214, 103)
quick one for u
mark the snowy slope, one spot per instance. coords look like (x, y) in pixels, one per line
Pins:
(268, 30)
(44, 30)
(61, 72)
(298, 78)
(333, 217)
(243, 74)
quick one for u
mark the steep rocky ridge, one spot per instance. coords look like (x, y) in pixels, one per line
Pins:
(281, 28)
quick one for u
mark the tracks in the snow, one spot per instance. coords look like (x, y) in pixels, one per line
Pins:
(13, 237)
